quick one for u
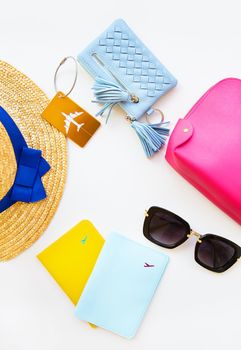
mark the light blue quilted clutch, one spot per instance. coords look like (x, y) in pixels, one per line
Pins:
(126, 72)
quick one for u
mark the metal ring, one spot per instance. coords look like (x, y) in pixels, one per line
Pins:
(155, 110)
(75, 78)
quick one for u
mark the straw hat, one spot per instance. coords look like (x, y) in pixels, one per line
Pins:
(23, 223)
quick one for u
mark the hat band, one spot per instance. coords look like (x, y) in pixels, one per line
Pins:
(31, 166)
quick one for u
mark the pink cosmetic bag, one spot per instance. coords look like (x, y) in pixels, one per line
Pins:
(205, 146)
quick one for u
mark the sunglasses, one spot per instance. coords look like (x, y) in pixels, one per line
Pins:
(169, 230)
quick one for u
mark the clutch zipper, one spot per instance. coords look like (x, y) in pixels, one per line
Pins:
(133, 97)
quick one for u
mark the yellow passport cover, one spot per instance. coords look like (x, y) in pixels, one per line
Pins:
(71, 259)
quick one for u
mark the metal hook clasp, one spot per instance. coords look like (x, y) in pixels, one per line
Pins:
(196, 234)
(75, 77)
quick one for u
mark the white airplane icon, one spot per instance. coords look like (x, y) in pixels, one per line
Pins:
(69, 118)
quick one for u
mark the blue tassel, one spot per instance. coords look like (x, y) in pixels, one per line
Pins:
(110, 94)
(152, 136)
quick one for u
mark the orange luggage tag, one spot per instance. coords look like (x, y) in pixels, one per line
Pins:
(68, 117)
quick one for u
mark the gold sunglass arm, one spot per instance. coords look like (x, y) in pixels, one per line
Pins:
(146, 213)
(196, 234)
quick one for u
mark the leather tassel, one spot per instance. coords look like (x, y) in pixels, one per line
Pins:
(152, 136)
(110, 94)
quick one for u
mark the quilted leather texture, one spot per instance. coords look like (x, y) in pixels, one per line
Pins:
(125, 57)
(129, 58)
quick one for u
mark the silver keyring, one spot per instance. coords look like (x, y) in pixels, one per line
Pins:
(75, 78)
(155, 110)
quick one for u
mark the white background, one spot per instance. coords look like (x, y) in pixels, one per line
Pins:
(111, 182)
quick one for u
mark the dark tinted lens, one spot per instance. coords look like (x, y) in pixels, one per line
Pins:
(168, 229)
(214, 253)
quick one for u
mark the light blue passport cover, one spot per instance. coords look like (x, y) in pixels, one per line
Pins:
(121, 286)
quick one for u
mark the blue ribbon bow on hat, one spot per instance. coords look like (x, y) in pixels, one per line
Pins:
(31, 166)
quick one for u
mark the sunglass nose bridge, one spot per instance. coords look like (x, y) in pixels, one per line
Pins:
(196, 234)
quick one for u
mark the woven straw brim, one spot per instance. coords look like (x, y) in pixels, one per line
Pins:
(8, 164)
(23, 223)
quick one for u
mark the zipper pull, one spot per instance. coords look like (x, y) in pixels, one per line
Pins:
(110, 94)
